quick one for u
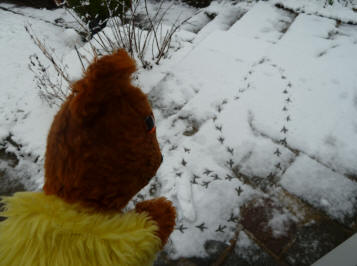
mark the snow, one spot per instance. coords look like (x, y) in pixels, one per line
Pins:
(339, 10)
(225, 15)
(253, 92)
(279, 223)
(323, 89)
(321, 187)
(23, 114)
(208, 209)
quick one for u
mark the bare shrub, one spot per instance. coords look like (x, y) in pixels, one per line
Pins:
(147, 39)
(139, 38)
(50, 90)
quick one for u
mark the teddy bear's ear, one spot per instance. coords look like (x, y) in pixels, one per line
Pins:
(118, 66)
(105, 79)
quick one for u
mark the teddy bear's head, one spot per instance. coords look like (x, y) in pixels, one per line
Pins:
(102, 147)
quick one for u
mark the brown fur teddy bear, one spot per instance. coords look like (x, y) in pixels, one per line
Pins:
(101, 150)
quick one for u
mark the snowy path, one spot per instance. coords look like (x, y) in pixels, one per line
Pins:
(257, 121)
(257, 103)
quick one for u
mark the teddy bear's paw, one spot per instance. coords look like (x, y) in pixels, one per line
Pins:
(163, 213)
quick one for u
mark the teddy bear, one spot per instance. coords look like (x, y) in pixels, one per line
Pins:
(101, 151)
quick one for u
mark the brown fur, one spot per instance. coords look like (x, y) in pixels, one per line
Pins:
(161, 210)
(99, 151)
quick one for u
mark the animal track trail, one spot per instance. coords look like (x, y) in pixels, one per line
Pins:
(286, 118)
(281, 146)
(219, 127)
(203, 180)
(246, 81)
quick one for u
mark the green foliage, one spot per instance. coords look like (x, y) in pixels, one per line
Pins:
(198, 3)
(96, 12)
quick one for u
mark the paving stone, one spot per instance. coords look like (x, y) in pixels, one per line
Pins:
(256, 216)
(215, 248)
(247, 249)
(252, 256)
(313, 241)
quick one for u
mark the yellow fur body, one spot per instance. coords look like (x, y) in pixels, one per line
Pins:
(44, 230)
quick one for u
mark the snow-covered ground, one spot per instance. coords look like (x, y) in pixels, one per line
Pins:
(253, 100)
(23, 115)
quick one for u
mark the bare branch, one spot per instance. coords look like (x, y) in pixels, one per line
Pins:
(80, 57)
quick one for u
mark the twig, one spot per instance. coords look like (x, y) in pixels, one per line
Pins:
(80, 58)
(46, 53)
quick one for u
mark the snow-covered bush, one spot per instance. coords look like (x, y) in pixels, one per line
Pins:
(147, 39)
(97, 12)
(142, 37)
